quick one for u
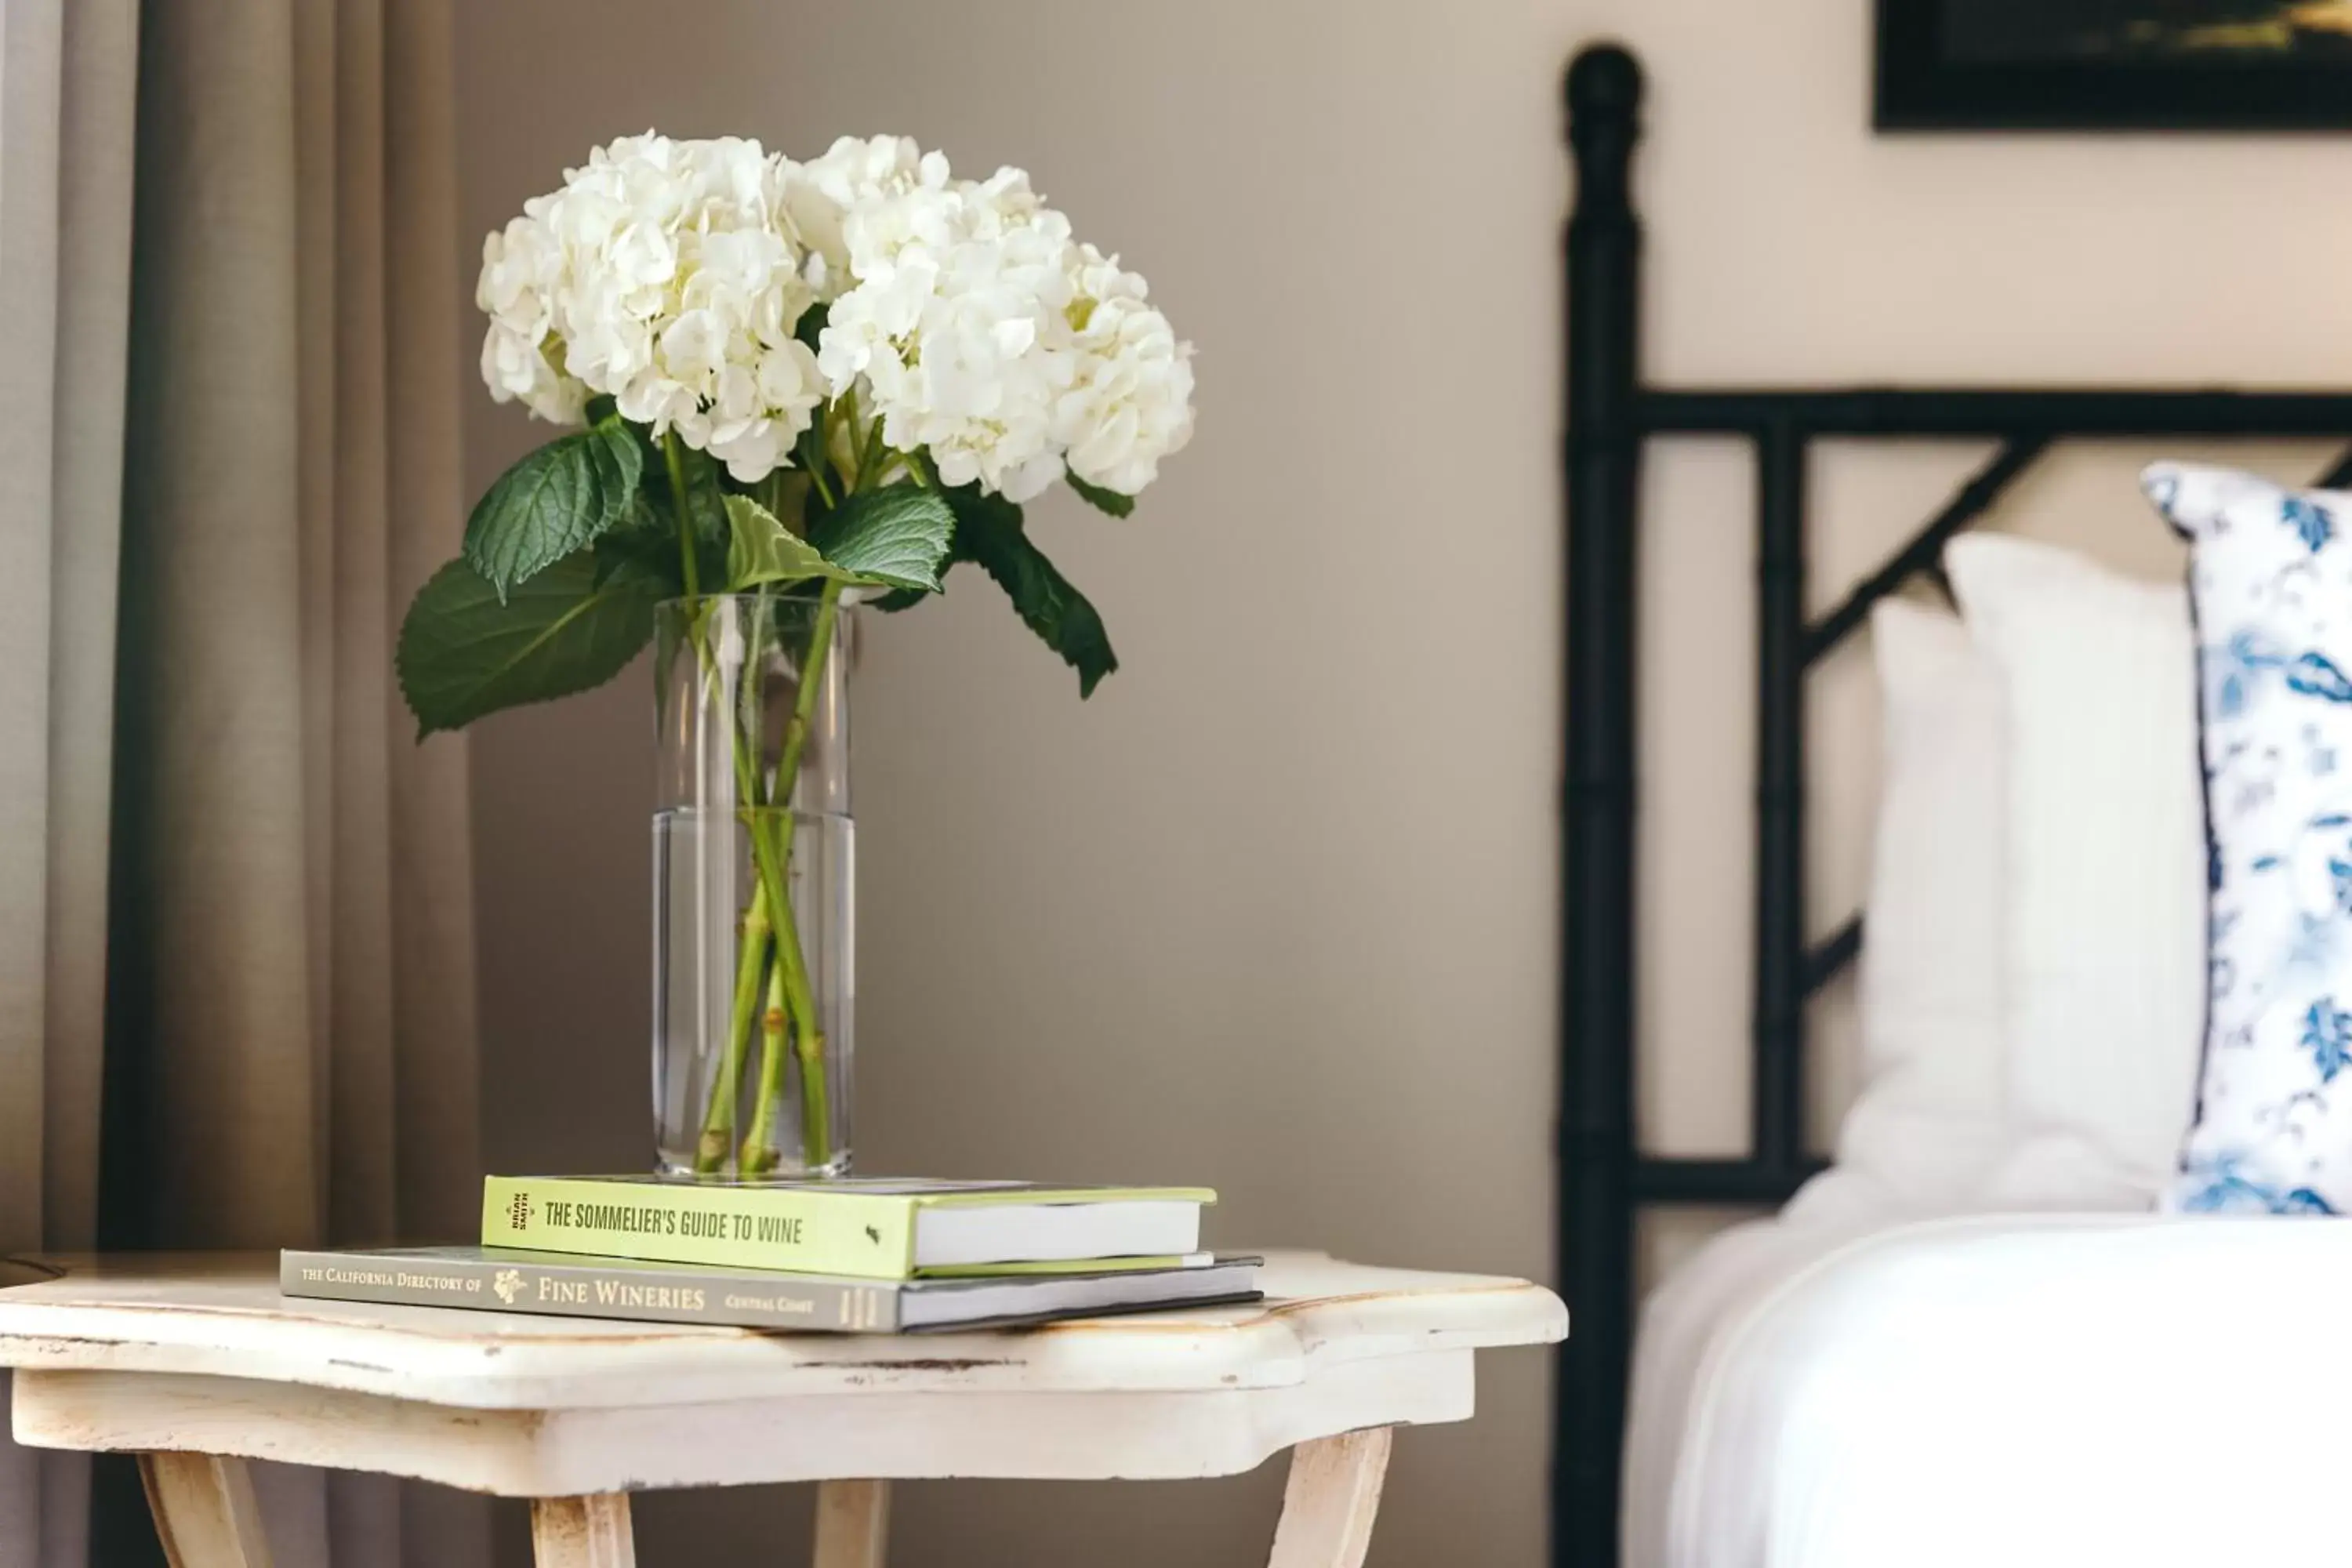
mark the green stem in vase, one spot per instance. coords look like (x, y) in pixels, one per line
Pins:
(752, 958)
(790, 999)
(792, 963)
(719, 1115)
(816, 1108)
(790, 996)
(758, 1156)
(808, 1045)
(788, 770)
(768, 897)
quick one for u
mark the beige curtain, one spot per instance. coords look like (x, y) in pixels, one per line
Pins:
(226, 871)
(67, 88)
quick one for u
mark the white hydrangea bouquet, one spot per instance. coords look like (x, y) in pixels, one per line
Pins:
(811, 381)
(840, 373)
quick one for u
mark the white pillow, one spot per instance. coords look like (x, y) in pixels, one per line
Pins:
(2104, 991)
(1928, 1124)
(2271, 574)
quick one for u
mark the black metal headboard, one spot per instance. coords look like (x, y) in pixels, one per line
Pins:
(1603, 1176)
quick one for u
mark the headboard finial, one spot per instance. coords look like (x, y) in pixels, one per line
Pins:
(1605, 82)
(1604, 101)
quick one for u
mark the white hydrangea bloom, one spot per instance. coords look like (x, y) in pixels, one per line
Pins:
(967, 319)
(1133, 403)
(670, 275)
(857, 206)
(665, 274)
(521, 265)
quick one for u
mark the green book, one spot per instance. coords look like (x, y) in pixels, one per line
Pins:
(509, 1279)
(876, 1228)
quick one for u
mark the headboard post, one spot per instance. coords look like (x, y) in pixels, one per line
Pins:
(1603, 454)
(1778, 1106)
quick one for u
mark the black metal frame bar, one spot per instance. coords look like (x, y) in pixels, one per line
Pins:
(1604, 1178)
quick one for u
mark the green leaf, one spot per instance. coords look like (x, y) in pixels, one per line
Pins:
(1101, 500)
(555, 500)
(649, 529)
(620, 465)
(897, 535)
(989, 530)
(706, 489)
(763, 551)
(647, 545)
(464, 654)
(810, 326)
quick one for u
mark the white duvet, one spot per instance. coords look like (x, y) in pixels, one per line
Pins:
(2017, 1390)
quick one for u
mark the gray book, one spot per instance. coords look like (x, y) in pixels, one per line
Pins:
(509, 1279)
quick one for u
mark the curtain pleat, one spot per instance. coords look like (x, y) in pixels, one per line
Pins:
(30, 115)
(298, 881)
(211, 960)
(436, 1061)
(67, 84)
(66, 97)
(236, 929)
(353, 587)
(93, 326)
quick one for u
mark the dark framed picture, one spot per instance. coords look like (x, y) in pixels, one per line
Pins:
(2120, 65)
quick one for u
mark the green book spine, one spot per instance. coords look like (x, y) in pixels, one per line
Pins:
(584, 1288)
(791, 1230)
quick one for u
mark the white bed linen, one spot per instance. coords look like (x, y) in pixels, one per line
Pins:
(2024, 1389)
(1718, 1288)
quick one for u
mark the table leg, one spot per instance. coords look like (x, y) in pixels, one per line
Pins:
(203, 1509)
(1328, 1508)
(853, 1523)
(583, 1531)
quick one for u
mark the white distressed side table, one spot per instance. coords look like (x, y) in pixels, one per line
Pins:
(196, 1363)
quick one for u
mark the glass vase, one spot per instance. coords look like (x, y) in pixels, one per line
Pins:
(754, 977)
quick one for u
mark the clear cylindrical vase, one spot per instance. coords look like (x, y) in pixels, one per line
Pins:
(754, 977)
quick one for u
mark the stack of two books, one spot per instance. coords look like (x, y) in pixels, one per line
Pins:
(854, 1256)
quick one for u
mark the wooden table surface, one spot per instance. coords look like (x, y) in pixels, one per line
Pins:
(200, 1355)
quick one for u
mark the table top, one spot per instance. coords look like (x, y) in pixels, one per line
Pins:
(221, 1314)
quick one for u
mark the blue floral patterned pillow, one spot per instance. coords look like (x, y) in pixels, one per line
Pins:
(2271, 581)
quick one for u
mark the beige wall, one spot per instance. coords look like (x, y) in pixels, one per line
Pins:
(1276, 910)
